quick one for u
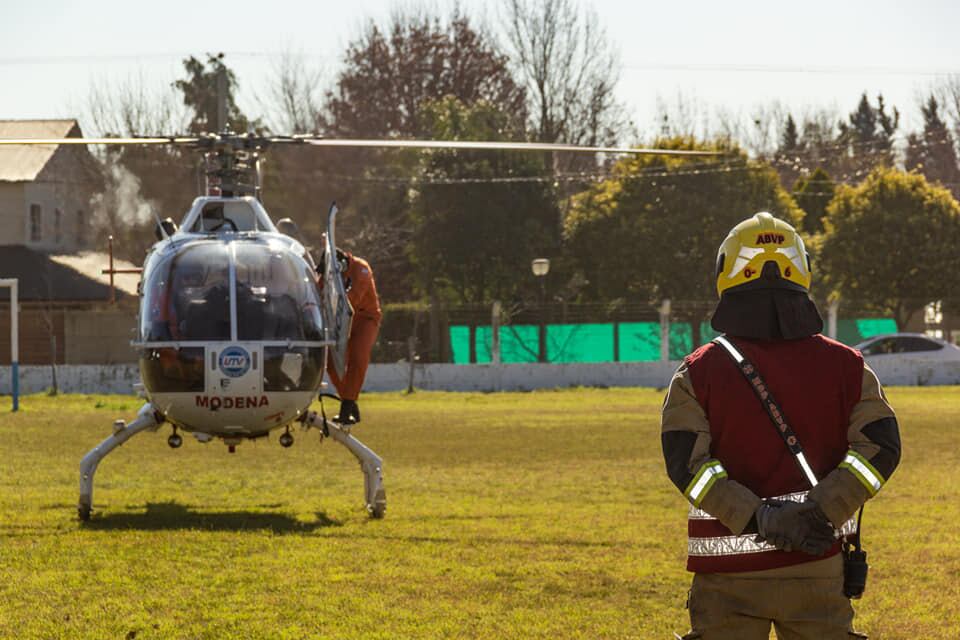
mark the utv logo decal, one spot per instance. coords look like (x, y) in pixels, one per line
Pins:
(231, 402)
(234, 361)
(771, 238)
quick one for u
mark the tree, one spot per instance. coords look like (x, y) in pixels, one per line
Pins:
(932, 153)
(790, 138)
(389, 74)
(569, 69)
(813, 193)
(867, 137)
(652, 230)
(473, 241)
(294, 96)
(202, 91)
(138, 182)
(890, 243)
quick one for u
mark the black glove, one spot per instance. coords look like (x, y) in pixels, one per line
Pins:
(793, 526)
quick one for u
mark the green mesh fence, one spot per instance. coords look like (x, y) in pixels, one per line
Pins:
(518, 343)
(460, 344)
(604, 342)
(639, 341)
(580, 343)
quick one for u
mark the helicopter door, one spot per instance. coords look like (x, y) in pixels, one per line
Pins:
(337, 312)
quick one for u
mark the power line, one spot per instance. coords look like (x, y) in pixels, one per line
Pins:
(129, 57)
(630, 66)
(787, 68)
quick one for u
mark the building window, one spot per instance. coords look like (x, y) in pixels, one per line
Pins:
(81, 228)
(36, 223)
(57, 219)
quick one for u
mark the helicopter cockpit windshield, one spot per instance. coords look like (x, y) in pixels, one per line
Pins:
(188, 296)
(243, 291)
(277, 296)
(235, 215)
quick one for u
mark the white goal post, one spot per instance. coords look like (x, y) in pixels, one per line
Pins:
(14, 340)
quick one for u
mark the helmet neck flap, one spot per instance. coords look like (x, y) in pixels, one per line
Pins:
(767, 308)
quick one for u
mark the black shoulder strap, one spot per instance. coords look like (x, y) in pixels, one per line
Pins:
(763, 393)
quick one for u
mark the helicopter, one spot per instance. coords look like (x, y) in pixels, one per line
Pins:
(235, 324)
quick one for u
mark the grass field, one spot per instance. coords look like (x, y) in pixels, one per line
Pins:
(539, 515)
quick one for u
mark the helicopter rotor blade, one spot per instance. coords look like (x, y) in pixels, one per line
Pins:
(58, 141)
(501, 146)
(361, 143)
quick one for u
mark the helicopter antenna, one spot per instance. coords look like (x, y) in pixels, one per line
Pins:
(163, 231)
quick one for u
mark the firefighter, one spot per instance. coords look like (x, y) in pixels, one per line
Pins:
(762, 545)
(362, 293)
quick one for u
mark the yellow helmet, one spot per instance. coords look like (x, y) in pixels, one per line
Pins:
(757, 241)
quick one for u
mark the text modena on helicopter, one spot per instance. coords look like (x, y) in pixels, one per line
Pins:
(231, 334)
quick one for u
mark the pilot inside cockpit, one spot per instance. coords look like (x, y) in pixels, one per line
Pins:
(268, 291)
(212, 218)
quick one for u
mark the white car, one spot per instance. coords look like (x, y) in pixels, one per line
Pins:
(913, 346)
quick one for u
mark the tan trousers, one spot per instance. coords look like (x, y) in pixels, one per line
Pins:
(802, 602)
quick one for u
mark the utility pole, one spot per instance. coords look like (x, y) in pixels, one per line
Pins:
(221, 96)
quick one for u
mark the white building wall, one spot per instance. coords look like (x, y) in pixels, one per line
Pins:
(11, 213)
(52, 196)
(451, 377)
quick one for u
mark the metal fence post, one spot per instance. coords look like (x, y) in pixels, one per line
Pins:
(14, 340)
(665, 331)
(833, 310)
(495, 332)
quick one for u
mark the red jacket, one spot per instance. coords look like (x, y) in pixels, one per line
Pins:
(817, 382)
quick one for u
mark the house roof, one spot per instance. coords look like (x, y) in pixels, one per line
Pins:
(23, 163)
(92, 263)
(41, 278)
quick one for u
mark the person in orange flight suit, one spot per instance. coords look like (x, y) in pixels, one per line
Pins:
(362, 293)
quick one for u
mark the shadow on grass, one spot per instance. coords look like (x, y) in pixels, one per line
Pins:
(161, 516)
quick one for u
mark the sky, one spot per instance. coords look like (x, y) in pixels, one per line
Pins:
(733, 55)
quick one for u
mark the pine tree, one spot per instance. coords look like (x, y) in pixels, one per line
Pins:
(790, 138)
(932, 153)
(867, 140)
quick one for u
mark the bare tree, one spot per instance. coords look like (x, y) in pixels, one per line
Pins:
(569, 68)
(137, 182)
(294, 100)
(948, 95)
(131, 108)
(685, 117)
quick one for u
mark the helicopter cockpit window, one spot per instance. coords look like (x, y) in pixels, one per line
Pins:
(276, 295)
(188, 296)
(226, 216)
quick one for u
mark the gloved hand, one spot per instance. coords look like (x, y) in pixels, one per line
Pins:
(793, 526)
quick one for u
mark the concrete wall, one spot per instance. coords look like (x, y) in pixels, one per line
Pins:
(910, 372)
(100, 337)
(451, 377)
(36, 325)
(84, 336)
(518, 377)
(74, 378)
(382, 377)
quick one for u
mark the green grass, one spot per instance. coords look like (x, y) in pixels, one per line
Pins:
(540, 515)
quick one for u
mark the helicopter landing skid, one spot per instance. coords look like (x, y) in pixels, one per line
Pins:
(147, 419)
(370, 463)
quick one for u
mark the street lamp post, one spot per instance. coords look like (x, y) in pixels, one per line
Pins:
(541, 267)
